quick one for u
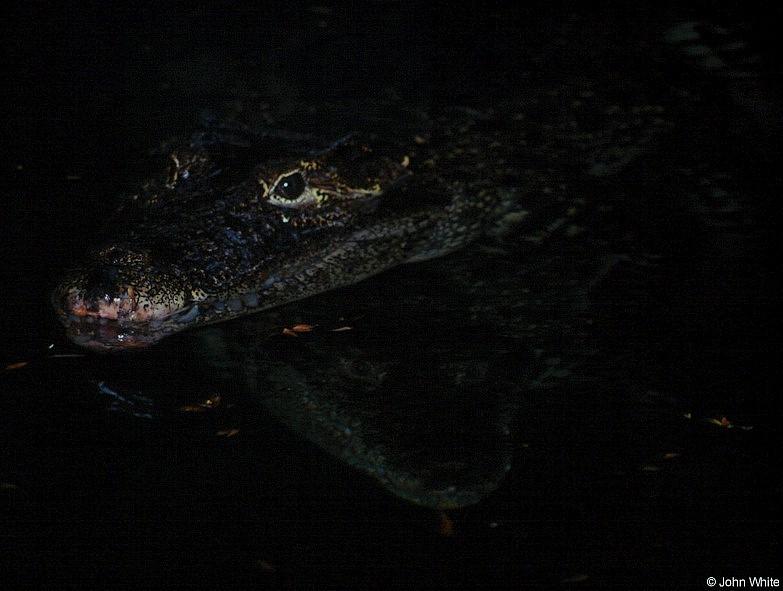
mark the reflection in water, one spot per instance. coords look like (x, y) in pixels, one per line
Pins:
(421, 393)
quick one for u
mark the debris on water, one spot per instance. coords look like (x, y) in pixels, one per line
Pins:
(208, 404)
(650, 468)
(297, 329)
(723, 422)
(191, 408)
(17, 365)
(227, 432)
(8, 486)
(671, 455)
(342, 329)
(21, 364)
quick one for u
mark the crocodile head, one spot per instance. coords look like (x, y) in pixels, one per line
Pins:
(216, 237)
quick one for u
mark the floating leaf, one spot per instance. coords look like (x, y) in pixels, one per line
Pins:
(192, 408)
(228, 432)
(17, 365)
(207, 404)
(722, 422)
(212, 401)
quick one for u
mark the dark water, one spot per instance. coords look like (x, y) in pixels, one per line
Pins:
(628, 350)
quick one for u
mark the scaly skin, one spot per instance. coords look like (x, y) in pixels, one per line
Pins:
(234, 227)
(214, 238)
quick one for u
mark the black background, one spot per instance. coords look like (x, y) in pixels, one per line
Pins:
(98, 501)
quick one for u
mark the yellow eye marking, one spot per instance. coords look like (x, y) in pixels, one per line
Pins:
(173, 171)
(265, 186)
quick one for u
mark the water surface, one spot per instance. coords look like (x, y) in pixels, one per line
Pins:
(595, 386)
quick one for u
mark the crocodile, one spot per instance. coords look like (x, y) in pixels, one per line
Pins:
(212, 239)
(244, 218)
(218, 235)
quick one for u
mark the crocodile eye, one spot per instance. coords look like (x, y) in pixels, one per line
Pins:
(290, 186)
